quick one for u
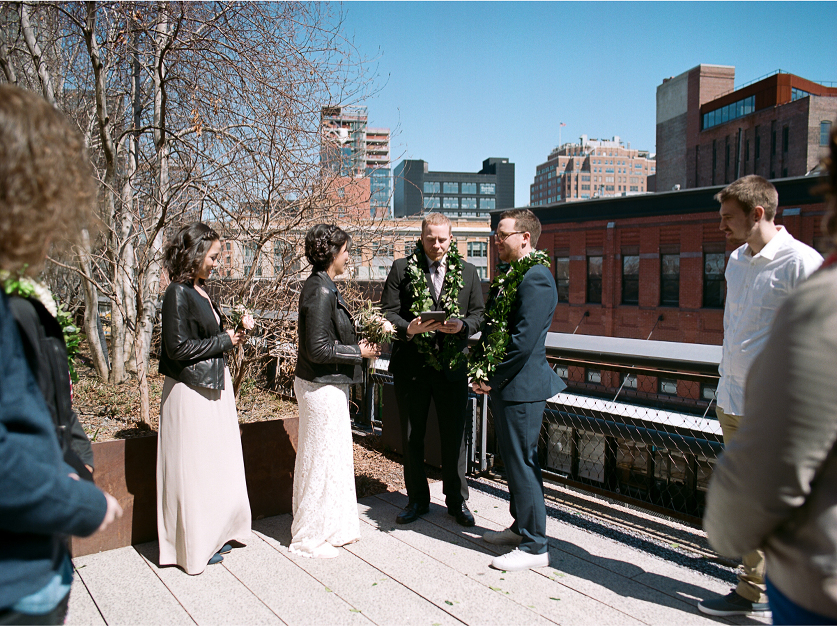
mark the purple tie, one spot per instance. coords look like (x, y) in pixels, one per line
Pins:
(437, 278)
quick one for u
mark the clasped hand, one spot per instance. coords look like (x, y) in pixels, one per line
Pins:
(369, 350)
(238, 337)
(480, 388)
(452, 326)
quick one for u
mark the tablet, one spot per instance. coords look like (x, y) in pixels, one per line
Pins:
(438, 316)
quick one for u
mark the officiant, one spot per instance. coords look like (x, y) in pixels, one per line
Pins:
(428, 359)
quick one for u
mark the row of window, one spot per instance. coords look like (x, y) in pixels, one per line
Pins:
(714, 285)
(454, 203)
(729, 112)
(435, 187)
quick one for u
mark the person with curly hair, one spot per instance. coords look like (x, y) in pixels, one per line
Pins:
(775, 487)
(328, 362)
(46, 188)
(202, 498)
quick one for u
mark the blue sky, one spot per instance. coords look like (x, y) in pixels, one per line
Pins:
(459, 82)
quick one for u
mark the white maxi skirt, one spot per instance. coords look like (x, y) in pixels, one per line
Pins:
(324, 501)
(202, 498)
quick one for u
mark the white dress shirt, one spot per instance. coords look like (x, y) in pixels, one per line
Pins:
(757, 284)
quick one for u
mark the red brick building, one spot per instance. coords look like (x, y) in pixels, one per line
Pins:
(653, 264)
(711, 134)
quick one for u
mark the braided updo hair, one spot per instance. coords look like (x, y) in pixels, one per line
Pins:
(323, 242)
(187, 250)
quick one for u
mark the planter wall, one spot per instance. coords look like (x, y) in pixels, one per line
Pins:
(126, 468)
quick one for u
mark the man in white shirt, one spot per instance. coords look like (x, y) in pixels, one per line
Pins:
(759, 275)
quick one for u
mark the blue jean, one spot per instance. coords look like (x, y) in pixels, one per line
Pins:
(786, 611)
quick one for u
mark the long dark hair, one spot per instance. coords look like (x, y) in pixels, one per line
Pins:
(187, 250)
(323, 242)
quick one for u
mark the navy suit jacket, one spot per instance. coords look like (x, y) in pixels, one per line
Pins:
(524, 374)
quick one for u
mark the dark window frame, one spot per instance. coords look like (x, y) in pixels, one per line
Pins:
(630, 282)
(669, 283)
(594, 282)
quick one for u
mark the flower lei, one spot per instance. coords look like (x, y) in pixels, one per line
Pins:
(28, 288)
(451, 353)
(491, 348)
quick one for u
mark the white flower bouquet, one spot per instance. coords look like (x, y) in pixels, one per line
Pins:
(373, 326)
(241, 318)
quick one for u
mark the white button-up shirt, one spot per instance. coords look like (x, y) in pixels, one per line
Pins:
(757, 284)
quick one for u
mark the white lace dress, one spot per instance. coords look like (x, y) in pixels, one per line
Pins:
(324, 502)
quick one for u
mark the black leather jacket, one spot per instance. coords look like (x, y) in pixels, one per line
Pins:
(194, 343)
(328, 350)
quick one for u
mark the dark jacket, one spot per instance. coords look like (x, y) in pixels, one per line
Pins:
(396, 301)
(38, 499)
(328, 350)
(524, 374)
(194, 343)
(46, 353)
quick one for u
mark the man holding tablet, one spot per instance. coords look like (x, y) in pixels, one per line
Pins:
(434, 299)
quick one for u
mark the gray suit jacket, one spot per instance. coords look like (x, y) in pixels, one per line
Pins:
(775, 487)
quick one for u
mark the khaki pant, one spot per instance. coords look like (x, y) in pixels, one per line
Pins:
(750, 582)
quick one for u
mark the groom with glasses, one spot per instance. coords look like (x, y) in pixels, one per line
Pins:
(428, 360)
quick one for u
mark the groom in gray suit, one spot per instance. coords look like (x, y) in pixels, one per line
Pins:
(519, 387)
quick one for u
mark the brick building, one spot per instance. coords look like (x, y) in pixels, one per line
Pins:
(591, 168)
(625, 267)
(709, 133)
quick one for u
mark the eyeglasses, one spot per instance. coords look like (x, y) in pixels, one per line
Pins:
(501, 237)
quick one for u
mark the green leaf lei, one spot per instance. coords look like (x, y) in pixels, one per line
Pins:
(450, 354)
(28, 288)
(491, 348)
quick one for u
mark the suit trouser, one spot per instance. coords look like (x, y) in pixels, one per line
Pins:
(413, 393)
(518, 427)
(751, 583)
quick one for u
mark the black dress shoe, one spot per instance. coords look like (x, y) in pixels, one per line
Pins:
(463, 516)
(412, 512)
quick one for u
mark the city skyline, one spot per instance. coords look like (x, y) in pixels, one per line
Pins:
(461, 82)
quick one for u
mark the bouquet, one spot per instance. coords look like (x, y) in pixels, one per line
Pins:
(373, 326)
(241, 318)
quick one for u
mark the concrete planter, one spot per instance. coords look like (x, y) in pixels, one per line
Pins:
(127, 469)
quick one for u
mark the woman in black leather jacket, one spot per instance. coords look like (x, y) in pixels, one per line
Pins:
(328, 362)
(201, 491)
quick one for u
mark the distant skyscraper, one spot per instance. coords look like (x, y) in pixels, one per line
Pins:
(456, 194)
(352, 150)
(591, 169)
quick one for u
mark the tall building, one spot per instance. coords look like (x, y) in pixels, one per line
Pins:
(353, 150)
(456, 194)
(709, 133)
(591, 168)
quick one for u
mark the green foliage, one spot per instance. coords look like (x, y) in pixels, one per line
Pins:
(450, 354)
(27, 288)
(492, 346)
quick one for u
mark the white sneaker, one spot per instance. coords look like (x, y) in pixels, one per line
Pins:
(517, 560)
(502, 537)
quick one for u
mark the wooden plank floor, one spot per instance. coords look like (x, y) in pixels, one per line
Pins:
(429, 572)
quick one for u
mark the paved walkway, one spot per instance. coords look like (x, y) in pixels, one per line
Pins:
(431, 572)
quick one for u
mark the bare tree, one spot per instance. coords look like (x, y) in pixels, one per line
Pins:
(192, 111)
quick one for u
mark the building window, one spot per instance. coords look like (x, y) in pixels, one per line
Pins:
(487, 203)
(772, 143)
(670, 280)
(629, 381)
(487, 189)
(469, 187)
(430, 187)
(228, 245)
(594, 279)
(469, 203)
(450, 187)
(431, 203)
(408, 248)
(450, 203)
(482, 272)
(785, 139)
(668, 386)
(758, 144)
(593, 376)
(708, 392)
(714, 285)
(562, 278)
(630, 279)
(478, 249)
(825, 133)
(796, 94)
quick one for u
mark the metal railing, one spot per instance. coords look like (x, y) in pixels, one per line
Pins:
(636, 422)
